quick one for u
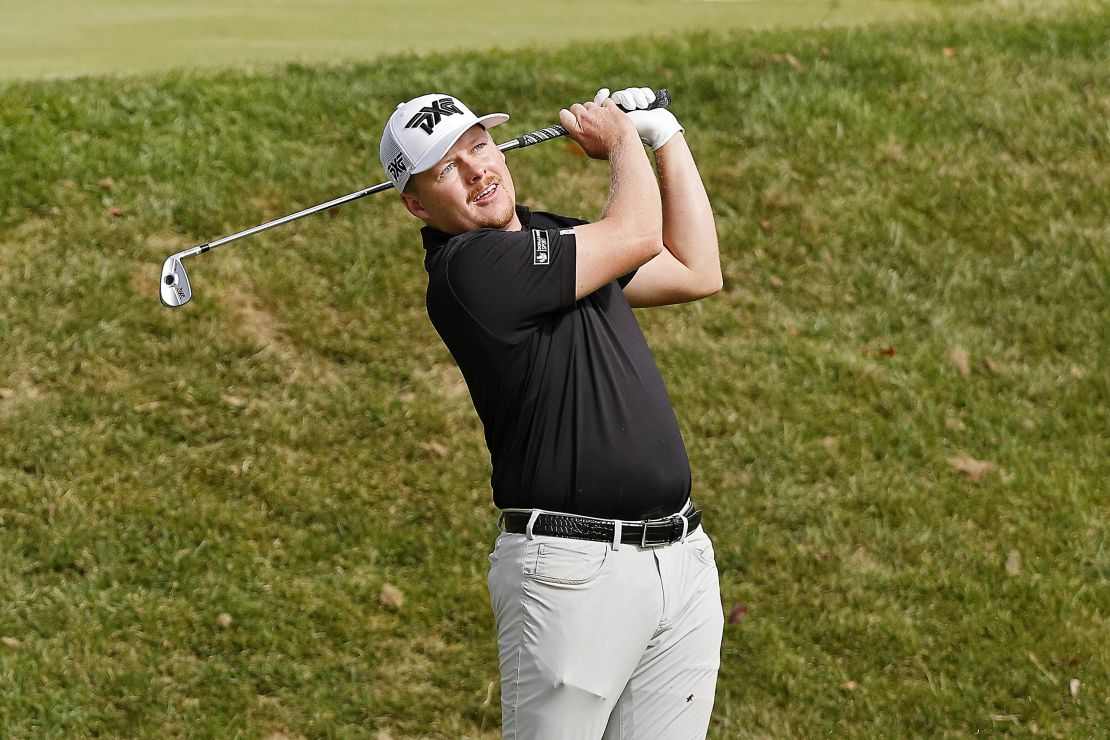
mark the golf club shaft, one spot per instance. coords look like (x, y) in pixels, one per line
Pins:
(662, 100)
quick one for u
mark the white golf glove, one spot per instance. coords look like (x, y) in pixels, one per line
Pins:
(655, 127)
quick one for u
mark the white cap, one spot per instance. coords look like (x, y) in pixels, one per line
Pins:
(421, 131)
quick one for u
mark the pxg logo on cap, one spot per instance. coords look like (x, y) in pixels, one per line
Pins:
(422, 130)
(430, 115)
(396, 167)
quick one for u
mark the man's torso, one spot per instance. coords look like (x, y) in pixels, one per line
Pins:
(576, 415)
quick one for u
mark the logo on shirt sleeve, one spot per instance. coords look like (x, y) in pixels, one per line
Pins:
(541, 254)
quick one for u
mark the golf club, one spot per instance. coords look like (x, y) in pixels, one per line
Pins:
(174, 288)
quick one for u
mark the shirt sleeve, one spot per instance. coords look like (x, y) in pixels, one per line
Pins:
(511, 281)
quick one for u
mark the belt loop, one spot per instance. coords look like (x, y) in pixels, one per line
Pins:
(501, 522)
(531, 522)
(616, 534)
(685, 527)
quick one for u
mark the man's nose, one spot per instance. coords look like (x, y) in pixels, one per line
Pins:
(473, 170)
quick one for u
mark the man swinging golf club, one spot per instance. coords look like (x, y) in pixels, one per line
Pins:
(602, 582)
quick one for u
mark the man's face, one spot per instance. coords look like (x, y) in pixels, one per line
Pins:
(469, 188)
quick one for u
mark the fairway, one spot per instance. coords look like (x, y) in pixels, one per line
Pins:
(66, 38)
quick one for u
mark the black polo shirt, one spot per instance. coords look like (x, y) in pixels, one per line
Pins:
(576, 415)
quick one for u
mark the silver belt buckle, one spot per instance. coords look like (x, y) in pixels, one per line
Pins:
(660, 543)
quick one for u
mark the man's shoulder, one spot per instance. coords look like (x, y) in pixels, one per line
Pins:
(440, 255)
(480, 245)
(464, 258)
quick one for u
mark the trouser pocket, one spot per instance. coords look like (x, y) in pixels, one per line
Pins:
(565, 562)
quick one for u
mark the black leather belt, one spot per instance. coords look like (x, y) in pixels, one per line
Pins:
(650, 533)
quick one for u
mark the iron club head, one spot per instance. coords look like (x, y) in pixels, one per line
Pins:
(174, 287)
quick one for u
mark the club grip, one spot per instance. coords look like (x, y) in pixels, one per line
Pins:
(544, 134)
(662, 99)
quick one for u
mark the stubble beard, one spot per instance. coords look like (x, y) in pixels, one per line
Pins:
(496, 219)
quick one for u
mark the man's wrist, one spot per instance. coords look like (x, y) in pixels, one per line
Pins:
(666, 145)
(629, 143)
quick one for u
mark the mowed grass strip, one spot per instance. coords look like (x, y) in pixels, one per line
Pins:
(896, 410)
(69, 38)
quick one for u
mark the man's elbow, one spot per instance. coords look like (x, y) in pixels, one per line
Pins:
(708, 280)
(712, 285)
(697, 287)
(717, 280)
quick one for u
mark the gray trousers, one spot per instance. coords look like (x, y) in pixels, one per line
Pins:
(598, 641)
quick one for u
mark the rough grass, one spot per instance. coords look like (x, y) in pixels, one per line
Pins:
(199, 509)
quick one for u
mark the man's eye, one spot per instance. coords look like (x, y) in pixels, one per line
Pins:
(480, 145)
(446, 169)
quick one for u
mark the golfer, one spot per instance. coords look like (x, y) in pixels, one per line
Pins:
(602, 582)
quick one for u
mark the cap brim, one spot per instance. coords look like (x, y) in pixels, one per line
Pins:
(436, 153)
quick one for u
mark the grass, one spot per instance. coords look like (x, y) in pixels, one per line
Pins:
(199, 509)
(67, 38)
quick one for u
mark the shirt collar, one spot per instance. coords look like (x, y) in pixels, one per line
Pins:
(434, 238)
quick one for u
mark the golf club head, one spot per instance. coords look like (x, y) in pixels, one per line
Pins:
(174, 286)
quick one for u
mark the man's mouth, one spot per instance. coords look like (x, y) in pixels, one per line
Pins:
(486, 193)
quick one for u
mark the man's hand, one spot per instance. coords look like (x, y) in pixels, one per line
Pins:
(655, 127)
(599, 128)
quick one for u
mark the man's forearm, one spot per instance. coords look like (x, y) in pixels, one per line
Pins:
(634, 198)
(689, 232)
(629, 234)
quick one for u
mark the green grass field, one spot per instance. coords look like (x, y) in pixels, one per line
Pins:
(66, 38)
(201, 509)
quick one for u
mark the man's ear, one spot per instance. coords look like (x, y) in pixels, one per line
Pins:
(414, 206)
